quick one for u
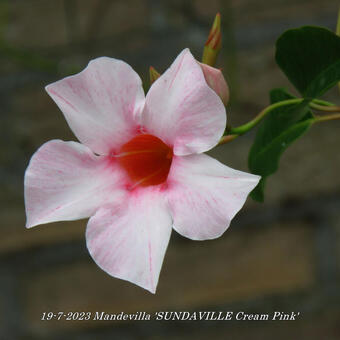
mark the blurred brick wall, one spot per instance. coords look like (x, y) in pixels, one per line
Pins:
(281, 255)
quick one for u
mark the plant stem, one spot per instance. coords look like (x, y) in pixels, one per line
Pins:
(240, 130)
(227, 139)
(316, 104)
(332, 108)
(326, 118)
(322, 102)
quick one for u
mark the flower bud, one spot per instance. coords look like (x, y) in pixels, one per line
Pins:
(214, 42)
(154, 75)
(215, 79)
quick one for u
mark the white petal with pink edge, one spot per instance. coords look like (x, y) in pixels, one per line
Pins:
(66, 181)
(204, 195)
(183, 110)
(101, 103)
(129, 241)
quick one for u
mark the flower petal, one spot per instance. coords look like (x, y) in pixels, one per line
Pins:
(129, 241)
(66, 181)
(100, 103)
(204, 195)
(183, 110)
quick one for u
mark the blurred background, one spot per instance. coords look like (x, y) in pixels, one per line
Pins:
(282, 255)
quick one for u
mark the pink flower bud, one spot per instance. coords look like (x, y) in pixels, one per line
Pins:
(215, 79)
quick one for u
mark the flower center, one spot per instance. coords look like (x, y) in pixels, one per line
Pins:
(146, 159)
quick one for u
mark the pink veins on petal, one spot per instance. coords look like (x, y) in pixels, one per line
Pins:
(138, 170)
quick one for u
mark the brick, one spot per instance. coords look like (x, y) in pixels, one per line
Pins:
(15, 237)
(36, 23)
(246, 12)
(238, 266)
(38, 118)
(102, 19)
(206, 9)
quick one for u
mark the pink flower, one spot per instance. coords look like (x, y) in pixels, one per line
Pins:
(139, 171)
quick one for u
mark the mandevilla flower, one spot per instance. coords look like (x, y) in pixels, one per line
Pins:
(139, 170)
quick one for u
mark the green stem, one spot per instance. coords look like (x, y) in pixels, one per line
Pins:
(322, 102)
(240, 130)
(324, 108)
(227, 139)
(326, 118)
(316, 104)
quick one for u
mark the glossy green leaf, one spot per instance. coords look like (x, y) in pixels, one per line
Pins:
(282, 127)
(310, 58)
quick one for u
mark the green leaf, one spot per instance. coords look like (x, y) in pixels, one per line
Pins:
(310, 58)
(281, 128)
(258, 193)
